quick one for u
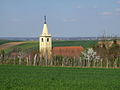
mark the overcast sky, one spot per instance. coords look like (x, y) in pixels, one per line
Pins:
(65, 18)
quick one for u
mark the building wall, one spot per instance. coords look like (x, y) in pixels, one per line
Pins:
(45, 45)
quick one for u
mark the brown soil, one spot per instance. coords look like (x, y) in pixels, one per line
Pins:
(11, 44)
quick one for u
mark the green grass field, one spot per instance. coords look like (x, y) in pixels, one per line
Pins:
(7, 41)
(34, 45)
(83, 43)
(27, 46)
(13, 77)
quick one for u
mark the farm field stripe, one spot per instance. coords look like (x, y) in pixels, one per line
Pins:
(10, 44)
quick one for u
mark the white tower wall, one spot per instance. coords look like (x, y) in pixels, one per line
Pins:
(45, 41)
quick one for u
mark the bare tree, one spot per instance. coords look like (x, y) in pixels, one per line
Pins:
(35, 59)
(2, 54)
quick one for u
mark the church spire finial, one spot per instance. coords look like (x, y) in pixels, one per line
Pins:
(44, 19)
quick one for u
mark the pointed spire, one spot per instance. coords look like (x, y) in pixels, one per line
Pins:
(45, 29)
(45, 20)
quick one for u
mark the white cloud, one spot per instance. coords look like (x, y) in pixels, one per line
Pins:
(117, 9)
(15, 20)
(70, 20)
(107, 13)
(118, 2)
(118, 14)
(95, 6)
(78, 7)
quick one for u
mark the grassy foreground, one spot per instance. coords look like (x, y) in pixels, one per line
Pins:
(15, 77)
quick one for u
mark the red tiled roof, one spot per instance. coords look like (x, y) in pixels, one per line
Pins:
(72, 51)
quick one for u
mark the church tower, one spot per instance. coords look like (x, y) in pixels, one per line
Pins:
(45, 41)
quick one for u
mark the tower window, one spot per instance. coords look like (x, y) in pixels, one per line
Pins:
(42, 39)
(47, 39)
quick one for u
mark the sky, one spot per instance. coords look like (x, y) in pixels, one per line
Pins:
(65, 18)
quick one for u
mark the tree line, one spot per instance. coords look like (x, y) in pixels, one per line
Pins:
(100, 55)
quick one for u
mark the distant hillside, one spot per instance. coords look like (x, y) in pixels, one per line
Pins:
(7, 41)
(83, 43)
(34, 45)
(54, 38)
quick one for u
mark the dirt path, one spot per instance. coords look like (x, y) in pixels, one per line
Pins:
(11, 44)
